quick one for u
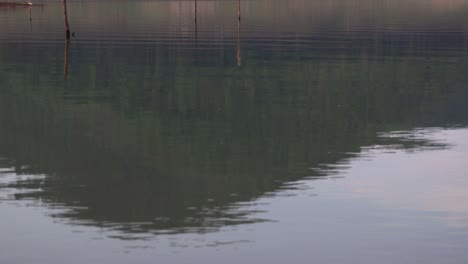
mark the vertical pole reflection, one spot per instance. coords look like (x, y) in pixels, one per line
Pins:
(238, 10)
(30, 19)
(65, 16)
(65, 59)
(196, 25)
(67, 40)
(238, 34)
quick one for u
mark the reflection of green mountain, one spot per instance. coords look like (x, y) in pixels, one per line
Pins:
(154, 132)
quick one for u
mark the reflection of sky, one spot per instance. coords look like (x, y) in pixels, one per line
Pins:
(427, 181)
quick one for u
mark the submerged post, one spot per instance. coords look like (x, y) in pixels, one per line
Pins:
(67, 28)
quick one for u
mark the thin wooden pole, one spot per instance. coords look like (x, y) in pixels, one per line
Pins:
(65, 16)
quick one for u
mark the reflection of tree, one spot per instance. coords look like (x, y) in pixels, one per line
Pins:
(176, 151)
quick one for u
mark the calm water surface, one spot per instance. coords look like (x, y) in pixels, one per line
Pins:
(172, 132)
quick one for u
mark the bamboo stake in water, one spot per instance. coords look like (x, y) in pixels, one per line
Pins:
(67, 28)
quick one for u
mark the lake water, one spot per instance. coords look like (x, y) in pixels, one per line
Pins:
(174, 132)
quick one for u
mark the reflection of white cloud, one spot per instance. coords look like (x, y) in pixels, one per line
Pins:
(434, 181)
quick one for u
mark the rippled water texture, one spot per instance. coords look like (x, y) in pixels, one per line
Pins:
(207, 132)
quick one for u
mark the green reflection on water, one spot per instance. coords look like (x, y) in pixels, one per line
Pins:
(173, 137)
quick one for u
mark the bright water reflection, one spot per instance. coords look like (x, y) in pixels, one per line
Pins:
(306, 125)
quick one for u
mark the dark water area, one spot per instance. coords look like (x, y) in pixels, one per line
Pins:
(175, 132)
